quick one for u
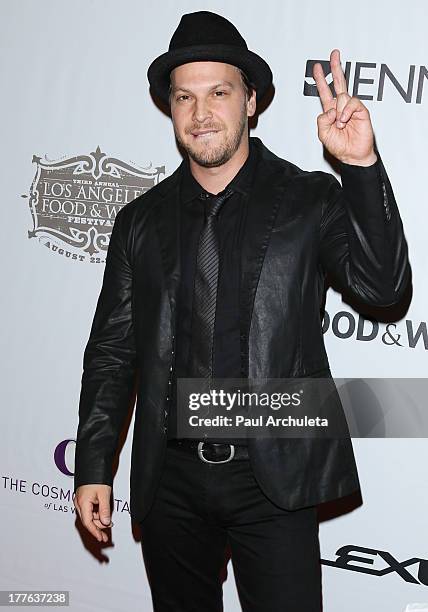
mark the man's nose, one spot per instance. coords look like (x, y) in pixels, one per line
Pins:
(201, 111)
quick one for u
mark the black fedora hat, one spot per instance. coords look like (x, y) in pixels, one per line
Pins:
(206, 36)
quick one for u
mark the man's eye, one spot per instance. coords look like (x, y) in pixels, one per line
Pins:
(182, 97)
(221, 93)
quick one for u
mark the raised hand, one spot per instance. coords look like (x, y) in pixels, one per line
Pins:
(344, 128)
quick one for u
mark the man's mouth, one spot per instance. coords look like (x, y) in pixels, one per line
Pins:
(202, 134)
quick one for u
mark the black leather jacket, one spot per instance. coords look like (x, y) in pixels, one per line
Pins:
(300, 226)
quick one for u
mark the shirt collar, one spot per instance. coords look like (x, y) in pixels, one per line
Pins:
(241, 182)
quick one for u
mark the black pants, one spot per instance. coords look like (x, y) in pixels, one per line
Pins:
(201, 511)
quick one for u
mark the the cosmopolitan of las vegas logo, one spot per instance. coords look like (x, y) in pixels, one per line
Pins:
(74, 201)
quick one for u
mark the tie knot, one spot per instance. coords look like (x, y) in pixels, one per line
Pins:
(214, 204)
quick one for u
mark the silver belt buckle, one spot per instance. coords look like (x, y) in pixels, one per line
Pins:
(201, 454)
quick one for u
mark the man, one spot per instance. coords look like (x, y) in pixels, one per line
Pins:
(219, 271)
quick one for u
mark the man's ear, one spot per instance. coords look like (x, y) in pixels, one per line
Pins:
(251, 104)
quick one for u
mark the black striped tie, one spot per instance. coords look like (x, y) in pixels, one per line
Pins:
(205, 291)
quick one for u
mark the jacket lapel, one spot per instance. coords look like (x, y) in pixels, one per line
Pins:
(167, 214)
(268, 190)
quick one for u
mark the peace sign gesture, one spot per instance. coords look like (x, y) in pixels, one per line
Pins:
(344, 127)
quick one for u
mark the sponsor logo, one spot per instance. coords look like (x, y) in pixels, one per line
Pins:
(349, 556)
(372, 80)
(74, 201)
(64, 456)
(346, 325)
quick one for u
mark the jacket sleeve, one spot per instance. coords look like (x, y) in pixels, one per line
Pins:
(109, 365)
(362, 242)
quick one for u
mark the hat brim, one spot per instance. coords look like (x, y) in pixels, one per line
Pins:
(253, 65)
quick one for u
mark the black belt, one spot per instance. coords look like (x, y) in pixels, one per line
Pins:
(210, 452)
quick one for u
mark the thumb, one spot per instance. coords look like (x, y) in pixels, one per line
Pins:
(104, 511)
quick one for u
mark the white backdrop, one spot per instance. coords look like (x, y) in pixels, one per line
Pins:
(74, 78)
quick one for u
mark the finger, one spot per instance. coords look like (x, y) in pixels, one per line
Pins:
(104, 536)
(353, 105)
(98, 523)
(325, 121)
(339, 80)
(354, 109)
(86, 509)
(342, 101)
(324, 90)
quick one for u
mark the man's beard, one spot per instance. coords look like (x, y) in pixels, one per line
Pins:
(217, 155)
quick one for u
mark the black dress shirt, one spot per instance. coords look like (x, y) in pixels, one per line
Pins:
(231, 227)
